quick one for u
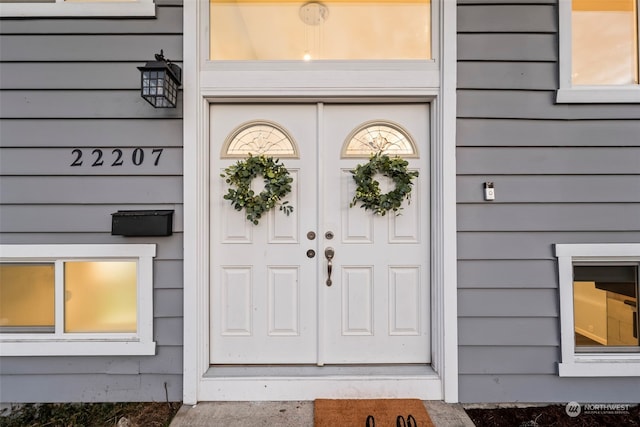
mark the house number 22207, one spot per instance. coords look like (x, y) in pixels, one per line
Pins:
(117, 157)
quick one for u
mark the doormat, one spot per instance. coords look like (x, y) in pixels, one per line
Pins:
(371, 413)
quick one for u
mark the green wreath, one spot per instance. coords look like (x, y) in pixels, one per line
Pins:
(277, 184)
(368, 192)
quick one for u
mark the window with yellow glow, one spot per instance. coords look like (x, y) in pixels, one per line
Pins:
(604, 42)
(27, 297)
(314, 30)
(76, 299)
(100, 296)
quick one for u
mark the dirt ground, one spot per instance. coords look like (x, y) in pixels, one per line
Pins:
(553, 415)
(154, 414)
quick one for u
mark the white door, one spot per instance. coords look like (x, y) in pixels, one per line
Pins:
(270, 301)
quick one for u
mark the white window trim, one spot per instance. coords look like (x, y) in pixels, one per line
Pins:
(567, 93)
(62, 9)
(95, 344)
(590, 364)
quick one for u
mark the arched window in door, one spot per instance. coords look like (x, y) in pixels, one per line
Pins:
(259, 137)
(379, 136)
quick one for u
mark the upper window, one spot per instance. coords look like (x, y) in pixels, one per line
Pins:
(599, 309)
(76, 299)
(80, 8)
(319, 30)
(599, 51)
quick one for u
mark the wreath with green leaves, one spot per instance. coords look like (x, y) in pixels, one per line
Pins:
(277, 184)
(368, 193)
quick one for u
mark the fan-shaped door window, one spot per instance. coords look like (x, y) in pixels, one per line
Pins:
(379, 137)
(259, 137)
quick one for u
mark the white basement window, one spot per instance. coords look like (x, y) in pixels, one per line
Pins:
(76, 8)
(76, 300)
(599, 309)
(599, 51)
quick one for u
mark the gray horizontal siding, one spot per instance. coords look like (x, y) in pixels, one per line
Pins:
(90, 132)
(71, 190)
(86, 75)
(523, 18)
(71, 218)
(544, 133)
(96, 388)
(166, 357)
(489, 360)
(167, 273)
(518, 104)
(168, 20)
(533, 245)
(507, 47)
(549, 217)
(508, 302)
(550, 388)
(525, 274)
(507, 75)
(92, 103)
(168, 331)
(551, 188)
(509, 331)
(58, 161)
(565, 173)
(84, 48)
(164, 303)
(545, 160)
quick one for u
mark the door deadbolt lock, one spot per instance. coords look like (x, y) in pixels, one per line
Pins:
(311, 253)
(329, 235)
(311, 235)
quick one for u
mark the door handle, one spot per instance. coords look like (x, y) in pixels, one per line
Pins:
(328, 254)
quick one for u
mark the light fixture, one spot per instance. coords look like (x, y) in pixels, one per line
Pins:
(160, 81)
(313, 14)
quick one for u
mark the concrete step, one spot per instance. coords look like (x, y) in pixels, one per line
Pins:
(290, 414)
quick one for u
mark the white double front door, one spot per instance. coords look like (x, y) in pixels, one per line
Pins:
(270, 302)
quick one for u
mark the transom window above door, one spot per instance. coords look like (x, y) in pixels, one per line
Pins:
(314, 30)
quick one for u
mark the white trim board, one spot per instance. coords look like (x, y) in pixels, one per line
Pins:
(200, 88)
(309, 383)
(64, 9)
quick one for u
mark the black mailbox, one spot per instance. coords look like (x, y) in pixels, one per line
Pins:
(142, 223)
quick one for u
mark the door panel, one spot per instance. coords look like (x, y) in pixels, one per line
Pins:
(270, 302)
(381, 292)
(263, 286)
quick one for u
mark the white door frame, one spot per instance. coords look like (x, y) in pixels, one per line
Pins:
(200, 88)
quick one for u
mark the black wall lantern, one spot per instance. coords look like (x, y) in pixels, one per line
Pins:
(160, 81)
